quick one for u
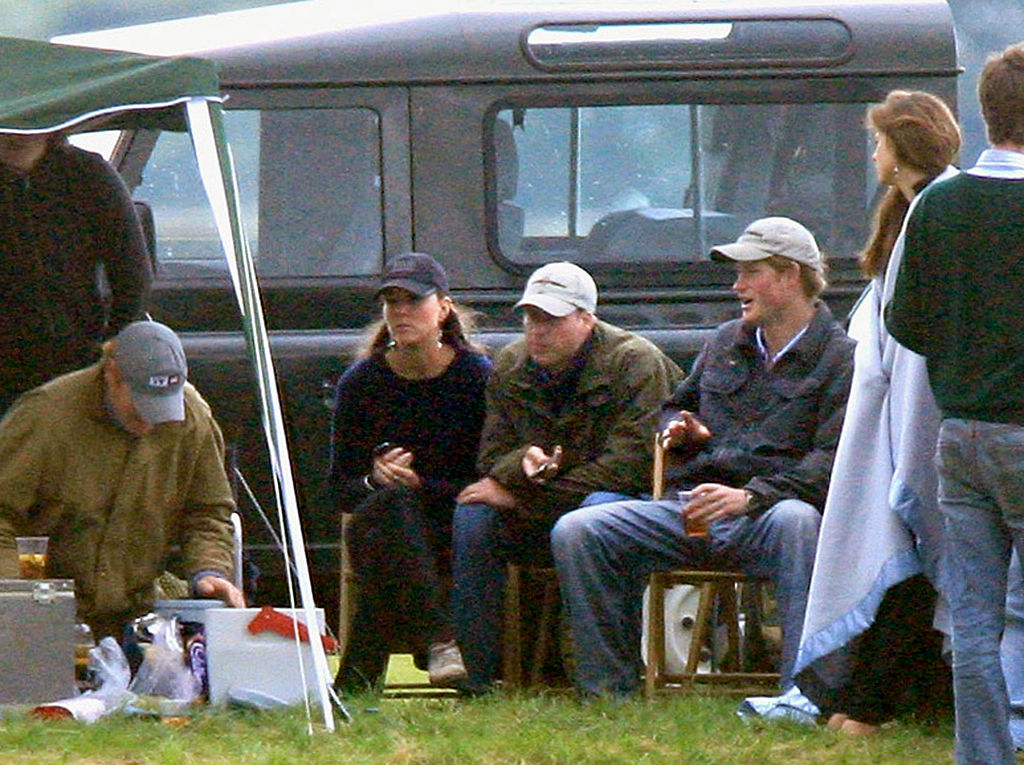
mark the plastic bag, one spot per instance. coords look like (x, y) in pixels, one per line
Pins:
(164, 671)
(109, 666)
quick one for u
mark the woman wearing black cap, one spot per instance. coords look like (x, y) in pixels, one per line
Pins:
(407, 421)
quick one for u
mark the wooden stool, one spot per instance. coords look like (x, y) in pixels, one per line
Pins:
(723, 587)
(547, 626)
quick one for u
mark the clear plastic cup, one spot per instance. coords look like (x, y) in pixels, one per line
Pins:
(691, 527)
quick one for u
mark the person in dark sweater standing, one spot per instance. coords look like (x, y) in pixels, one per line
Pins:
(957, 303)
(65, 216)
(406, 428)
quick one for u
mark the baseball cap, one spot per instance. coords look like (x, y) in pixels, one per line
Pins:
(559, 289)
(772, 236)
(415, 272)
(151, 361)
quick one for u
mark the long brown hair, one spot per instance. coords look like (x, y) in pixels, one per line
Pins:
(923, 134)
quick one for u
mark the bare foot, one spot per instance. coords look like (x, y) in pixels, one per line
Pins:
(835, 722)
(853, 727)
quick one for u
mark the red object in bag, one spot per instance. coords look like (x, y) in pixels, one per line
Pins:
(272, 620)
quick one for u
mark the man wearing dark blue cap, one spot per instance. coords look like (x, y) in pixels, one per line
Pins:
(117, 463)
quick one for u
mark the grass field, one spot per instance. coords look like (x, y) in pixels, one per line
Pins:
(515, 729)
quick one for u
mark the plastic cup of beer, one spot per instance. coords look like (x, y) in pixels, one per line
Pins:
(32, 557)
(691, 527)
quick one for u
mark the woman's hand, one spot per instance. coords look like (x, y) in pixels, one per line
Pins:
(394, 468)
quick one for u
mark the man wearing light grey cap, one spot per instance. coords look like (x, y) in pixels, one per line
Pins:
(117, 463)
(751, 432)
(570, 407)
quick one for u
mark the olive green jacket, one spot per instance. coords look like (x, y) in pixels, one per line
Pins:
(113, 505)
(605, 429)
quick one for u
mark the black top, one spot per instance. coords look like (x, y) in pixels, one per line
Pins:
(437, 419)
(958, 292)
(70, 215)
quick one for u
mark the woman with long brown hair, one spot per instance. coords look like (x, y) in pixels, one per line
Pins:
(406, 428)
(868, 629)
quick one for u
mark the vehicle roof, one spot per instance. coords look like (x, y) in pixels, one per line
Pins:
(324, 42)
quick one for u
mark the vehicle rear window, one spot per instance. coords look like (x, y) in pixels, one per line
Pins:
(662, 183)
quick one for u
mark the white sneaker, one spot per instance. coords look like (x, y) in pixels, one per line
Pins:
(444, 663)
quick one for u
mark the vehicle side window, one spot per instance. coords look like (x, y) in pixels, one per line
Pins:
(665, 182)
(309, 186)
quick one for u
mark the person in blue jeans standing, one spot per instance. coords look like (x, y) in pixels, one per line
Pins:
(957, 303)
(754, 429)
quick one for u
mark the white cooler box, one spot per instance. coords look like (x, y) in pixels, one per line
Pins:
(238, 660)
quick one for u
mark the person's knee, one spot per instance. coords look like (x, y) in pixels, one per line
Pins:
(796, 519)
(574, 532)
(474, 526)
(567, 533)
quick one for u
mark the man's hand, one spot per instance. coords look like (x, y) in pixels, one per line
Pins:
(211, 586)
(539, 466)
(685, 431)
(489, 492)
(394, 468)
(711, 501)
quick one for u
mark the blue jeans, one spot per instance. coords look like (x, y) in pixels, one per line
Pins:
(1012, 652)
(981, 494)
(482, 544)
(604, 553)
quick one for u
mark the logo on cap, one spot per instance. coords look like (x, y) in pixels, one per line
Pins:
(164, 381)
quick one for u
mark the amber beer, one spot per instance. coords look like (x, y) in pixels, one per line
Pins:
(32, 565)
(32, 557)
(691, 527)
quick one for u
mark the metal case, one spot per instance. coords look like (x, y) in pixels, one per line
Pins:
(37, 651)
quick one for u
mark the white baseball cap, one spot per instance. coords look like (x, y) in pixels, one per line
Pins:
(559, 289)
(766, 237)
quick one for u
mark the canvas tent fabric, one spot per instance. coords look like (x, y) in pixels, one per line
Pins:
(49, 87)
(46, 87)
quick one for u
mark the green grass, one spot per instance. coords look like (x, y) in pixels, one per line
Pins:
(532, 729)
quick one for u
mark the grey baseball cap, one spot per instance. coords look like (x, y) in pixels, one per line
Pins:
(772, 236)
(559, 289)
(151, 360)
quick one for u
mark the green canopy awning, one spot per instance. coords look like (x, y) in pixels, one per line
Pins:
(48, 87)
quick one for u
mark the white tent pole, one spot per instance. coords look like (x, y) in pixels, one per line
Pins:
(217, 171)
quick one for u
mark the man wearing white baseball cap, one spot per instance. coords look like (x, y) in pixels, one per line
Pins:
(570, 407)
(752, 432)
(117, 463)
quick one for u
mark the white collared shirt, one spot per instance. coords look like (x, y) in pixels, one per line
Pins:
(762, 346)
(999, 163)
